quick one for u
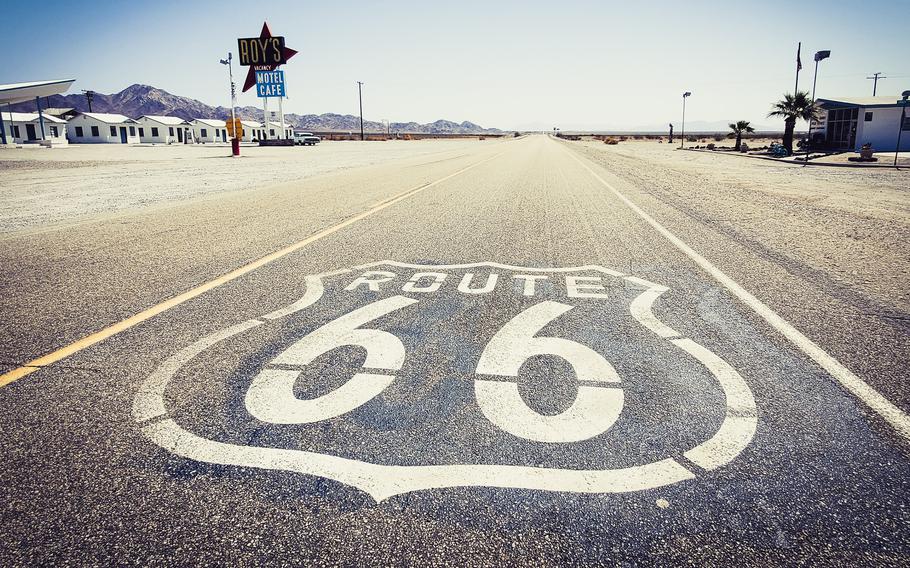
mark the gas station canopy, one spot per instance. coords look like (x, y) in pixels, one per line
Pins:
(18, 92)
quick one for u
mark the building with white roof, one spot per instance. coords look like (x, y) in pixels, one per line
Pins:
(849, 122)
(164, 129)
(25, 128)
(209, 130)
(252, 130)
(102, 128)
(33, 90)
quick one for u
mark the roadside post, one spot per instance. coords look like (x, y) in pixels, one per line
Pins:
(235, 130)
(900, 127)
(235, 139)
(819, 56)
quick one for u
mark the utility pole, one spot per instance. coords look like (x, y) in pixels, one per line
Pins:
(682, 136)
(89, 95)
(360, 98)
(875, 77)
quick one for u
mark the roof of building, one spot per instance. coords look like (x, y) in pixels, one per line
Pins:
(109, 118)
(211, 122)
(18, 92)
(29, 117)
(883, 101)
(169, 120)
(58, 111)
(251, 123)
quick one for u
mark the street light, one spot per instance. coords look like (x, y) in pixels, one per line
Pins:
(819, 55)
(900, 127)
(682, 137)
(235, 142)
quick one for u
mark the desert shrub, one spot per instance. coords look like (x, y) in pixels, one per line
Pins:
(611, 141)
(719, 137)
(691, 139)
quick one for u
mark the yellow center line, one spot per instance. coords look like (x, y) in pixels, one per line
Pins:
(151, 312)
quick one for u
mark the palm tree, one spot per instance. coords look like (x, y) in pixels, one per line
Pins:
(739, 128)
(792, 108)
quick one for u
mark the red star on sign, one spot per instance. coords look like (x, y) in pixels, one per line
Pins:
(251, 73)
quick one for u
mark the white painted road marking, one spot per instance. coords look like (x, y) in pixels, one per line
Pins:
(382, 481)
(898, 419)
(595, 409)
(271, 397)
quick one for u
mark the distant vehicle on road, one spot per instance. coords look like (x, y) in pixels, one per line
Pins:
(306, 139)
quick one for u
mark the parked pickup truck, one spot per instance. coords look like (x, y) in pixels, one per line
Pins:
(305, 139)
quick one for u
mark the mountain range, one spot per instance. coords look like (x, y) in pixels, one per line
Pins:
(137, 100)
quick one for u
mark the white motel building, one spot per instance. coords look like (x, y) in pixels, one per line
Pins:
(251, 130)
(163, 129)
(25, 128)
(207, 130)
(102, 128)
(849, 122)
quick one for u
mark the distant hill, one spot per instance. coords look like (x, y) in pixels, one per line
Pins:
(137, 100)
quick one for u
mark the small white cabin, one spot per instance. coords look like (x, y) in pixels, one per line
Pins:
(101, 128)
(25, 128)
(164, 129)
(251, 130)
(207, 130)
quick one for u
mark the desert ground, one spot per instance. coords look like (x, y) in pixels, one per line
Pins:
(49, 187)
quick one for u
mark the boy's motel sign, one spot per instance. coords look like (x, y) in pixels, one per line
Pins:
(269, 84)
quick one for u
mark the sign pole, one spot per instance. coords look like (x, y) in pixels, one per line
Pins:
(265, 110)
(281, 116)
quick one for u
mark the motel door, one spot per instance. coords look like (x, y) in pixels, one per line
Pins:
(30, 132)
(123, 135)
(179, 135)
(224, 135)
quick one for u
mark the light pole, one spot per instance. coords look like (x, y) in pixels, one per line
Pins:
(900, 127)
(819, 55)
(360, 98)
(235, 140)
(682, 136)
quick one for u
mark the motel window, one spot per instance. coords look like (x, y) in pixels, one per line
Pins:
(132, 130)
(54, 131)
(95, 131)
(868, 117)
(16, 132)
(202, 132)
(113, 131)
(271, 131)
(79, 132)
(141, 131)
(154, 131)
(170, 130)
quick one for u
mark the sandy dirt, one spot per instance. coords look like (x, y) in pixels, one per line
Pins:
(849, 226)
(42, 187)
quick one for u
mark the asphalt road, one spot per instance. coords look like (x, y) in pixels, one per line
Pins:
(491, 356)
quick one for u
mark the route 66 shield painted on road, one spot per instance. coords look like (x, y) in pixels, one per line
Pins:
(395, 377)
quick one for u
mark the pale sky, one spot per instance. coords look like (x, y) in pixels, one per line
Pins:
(521, 65)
